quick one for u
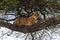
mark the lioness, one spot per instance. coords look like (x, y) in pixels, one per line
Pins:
(27, 20)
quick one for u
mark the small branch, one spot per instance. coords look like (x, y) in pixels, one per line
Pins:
(26, 36)
(32, 36)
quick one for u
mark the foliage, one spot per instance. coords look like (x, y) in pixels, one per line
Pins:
(7, 4)
(54, 5)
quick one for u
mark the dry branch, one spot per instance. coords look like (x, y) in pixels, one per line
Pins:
(35, 27)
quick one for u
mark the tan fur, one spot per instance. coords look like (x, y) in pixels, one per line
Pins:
(26, 21)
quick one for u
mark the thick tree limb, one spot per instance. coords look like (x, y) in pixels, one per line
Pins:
(35, 27)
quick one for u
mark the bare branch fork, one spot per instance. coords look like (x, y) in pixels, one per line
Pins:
(40, 25)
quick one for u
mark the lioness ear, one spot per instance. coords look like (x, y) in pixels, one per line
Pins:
(36, 14)
(33, 13)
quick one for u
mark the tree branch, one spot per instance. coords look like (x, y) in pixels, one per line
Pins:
(35, 27)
